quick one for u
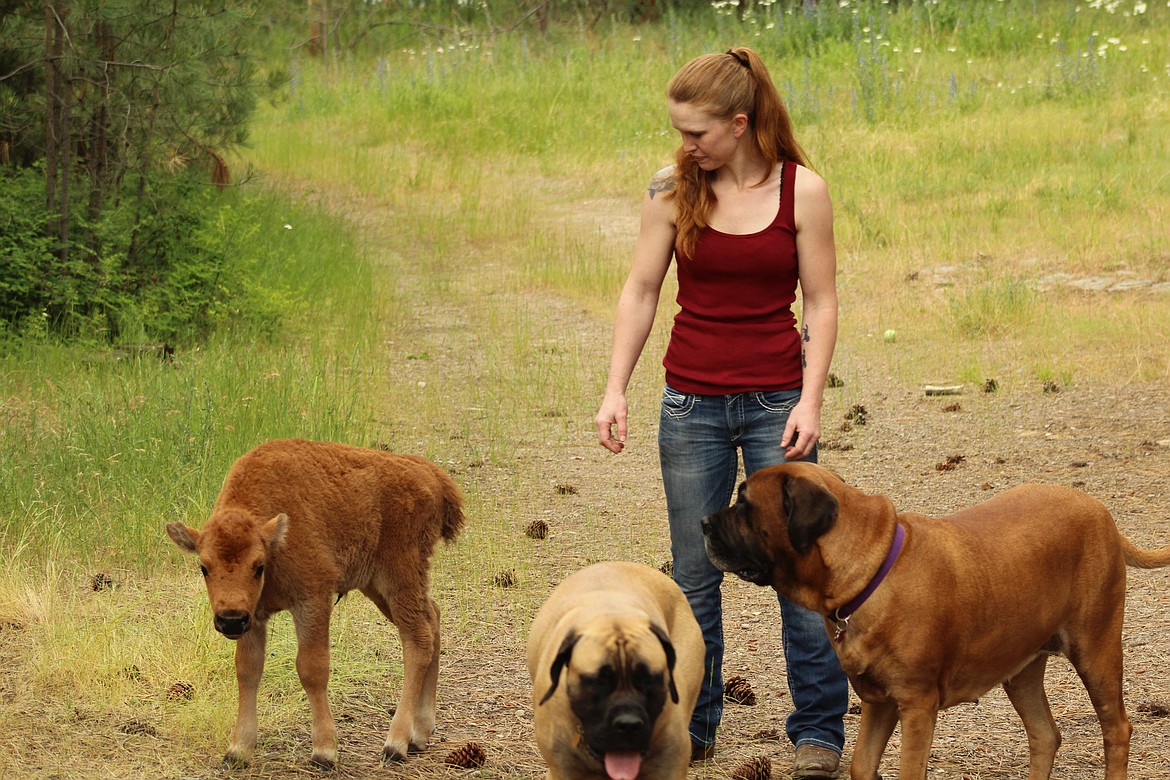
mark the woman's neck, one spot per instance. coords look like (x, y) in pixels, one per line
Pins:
(744, 173)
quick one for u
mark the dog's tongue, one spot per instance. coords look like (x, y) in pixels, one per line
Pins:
(623, 765)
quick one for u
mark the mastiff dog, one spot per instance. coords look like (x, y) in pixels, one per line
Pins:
(616, 660)
(927, 612)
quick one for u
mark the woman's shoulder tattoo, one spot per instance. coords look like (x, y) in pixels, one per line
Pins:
(662, 181)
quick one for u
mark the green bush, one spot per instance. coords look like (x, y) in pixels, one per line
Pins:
(24, 248)
(186, 270)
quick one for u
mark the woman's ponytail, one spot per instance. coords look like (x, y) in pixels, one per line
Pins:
(723, 85)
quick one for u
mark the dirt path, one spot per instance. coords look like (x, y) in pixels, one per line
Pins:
(931, 454)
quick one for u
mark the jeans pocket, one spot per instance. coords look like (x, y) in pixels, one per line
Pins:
(778, 401)
(676, 404)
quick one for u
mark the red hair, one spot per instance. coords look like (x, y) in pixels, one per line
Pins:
(723, 85)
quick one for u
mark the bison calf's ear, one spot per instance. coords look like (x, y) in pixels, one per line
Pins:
(183, 535)
(273, 531)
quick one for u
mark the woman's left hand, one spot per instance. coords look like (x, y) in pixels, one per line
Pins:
(802, 432)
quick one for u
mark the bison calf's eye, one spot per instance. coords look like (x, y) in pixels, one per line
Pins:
(259, 571)
(203, 570)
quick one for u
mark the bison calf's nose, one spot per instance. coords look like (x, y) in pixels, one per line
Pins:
(233, 625)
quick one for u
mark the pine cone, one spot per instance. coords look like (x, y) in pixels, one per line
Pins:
(857, 414)
(951, 463)
(505, 579)
(181, 691)
(758, 768)
(1154, 709)
(537, 529)
(739, 690)
(667, 568)
(470, 756)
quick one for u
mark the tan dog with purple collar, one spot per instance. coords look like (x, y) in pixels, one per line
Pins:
(929, 612)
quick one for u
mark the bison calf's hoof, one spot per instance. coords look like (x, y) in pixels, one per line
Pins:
(392, 755)
(323, 762)
(234, 761)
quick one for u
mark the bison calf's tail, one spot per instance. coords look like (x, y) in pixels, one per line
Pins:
(453, 518)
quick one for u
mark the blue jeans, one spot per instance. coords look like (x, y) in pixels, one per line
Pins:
(698, 439)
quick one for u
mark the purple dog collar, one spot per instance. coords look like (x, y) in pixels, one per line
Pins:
(842, 614)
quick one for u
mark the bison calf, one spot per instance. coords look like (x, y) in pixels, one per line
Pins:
(299, 524)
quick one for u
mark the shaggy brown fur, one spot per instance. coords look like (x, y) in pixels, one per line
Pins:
(300, 523)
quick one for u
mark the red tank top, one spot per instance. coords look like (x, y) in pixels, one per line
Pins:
(735, 331)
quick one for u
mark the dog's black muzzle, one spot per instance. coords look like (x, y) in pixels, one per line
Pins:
(627, 726)
(728, 550)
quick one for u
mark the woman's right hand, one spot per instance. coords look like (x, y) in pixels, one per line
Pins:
(637, 306)
(612, 414)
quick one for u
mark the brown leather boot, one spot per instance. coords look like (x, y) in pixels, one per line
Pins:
(815, 761)
(701, 752)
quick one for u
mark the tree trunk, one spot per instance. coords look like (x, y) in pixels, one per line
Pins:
(52, 107)
(99, 132)
(147, 132)
(65, 156)
(316, 28)
(132, 250)
(58, 144)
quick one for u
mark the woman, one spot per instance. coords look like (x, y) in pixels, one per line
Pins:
(747, 223)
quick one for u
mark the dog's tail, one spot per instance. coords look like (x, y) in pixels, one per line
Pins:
(1145, 559)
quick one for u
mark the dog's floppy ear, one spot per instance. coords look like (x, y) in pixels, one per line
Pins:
(668, 647)
(564, 653)
(811, 510)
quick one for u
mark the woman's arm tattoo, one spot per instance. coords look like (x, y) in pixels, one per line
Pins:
(662, 182)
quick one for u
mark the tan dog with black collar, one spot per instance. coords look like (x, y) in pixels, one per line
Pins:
(930, 612)
(616, 660)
